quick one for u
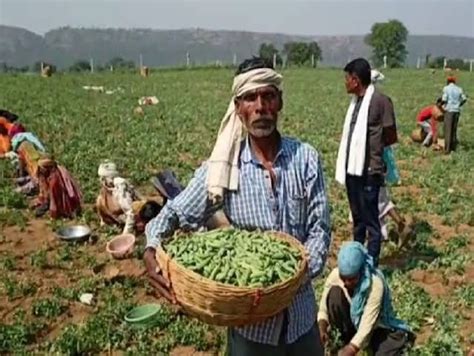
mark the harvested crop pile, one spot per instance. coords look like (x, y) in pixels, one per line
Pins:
(239, 258)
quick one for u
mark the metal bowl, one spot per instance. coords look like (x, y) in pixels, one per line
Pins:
(75, 233)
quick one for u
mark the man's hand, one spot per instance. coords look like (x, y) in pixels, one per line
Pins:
(155, 276)
(348, 350)
(323, 331)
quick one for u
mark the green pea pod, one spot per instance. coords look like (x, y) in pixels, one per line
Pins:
(214, 272)
(230, 273)
(281, 274)
(204, 262)
(257, 274)
(293, 258)
(245, 277)
(220, 276)
(288, 267)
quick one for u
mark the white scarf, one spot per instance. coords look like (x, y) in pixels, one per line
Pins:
(356, 160)
(223, 171)
(107, 169)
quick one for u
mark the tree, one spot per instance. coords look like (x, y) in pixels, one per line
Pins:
(118, 63)
(80, 66)
(301, 53)
(315, 51)
(455, 63)
(458, 63)
(437, 62)
(427, 59)
(5, 68)
(388, 39)
(267, 51)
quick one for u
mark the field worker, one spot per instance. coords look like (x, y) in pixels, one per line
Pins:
(8, 129)
(25, 152)
(120, 204)
(428, 119)
(454, 98)
(368, 129)
(59, 193)
(376, 76)
(356, 301)
(263, 181)
(5, 142)
(8, 115)
(392, 176)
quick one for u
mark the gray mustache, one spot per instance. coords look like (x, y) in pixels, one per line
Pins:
(263, 121)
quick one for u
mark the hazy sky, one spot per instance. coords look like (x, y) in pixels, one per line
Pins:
(310, 17)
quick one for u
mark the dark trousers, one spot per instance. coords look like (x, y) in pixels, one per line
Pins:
(307, 345)
(363, 197)
(383, 342)
(451, 120)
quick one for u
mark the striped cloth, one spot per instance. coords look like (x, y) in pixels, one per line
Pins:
(297, 205)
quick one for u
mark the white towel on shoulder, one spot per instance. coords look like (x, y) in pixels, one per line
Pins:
(356, 160)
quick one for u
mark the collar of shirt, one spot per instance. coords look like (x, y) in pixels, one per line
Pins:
(248, 156)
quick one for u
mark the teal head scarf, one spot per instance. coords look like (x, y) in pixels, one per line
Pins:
(353, 259)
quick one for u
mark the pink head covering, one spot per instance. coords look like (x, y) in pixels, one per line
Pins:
(16, 129)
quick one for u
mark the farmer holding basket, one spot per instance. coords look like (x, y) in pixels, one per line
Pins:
(264, 181)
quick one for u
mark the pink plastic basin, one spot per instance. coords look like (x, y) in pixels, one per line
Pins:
(121, 246)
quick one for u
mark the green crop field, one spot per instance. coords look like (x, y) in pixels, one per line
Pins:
(41, 280)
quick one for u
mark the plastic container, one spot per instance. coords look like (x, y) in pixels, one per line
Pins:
(143, 315)
(121, 246)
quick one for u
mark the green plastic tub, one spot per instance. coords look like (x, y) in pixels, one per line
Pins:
(143, 315)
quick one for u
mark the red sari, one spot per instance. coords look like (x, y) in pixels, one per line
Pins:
(62, 192)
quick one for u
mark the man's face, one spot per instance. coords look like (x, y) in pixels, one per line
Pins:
(139, 225)
(350, 283)
(352, 83)
(258, 110)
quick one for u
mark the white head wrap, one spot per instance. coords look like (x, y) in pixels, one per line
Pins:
(107, 169)
(223, 172)
(376, 76)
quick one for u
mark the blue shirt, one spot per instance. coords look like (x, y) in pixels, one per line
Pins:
(297, 205)
(453, 97)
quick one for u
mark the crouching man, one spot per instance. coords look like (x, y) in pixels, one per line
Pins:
(356, 301)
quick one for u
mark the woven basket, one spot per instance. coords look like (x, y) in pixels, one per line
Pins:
(418, 135)
(227, 305)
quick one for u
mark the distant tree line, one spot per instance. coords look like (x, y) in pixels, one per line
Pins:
(387, 39)
(82, 65)
(296, 53)
(5, 68)
(115, 64)
(453, 63)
